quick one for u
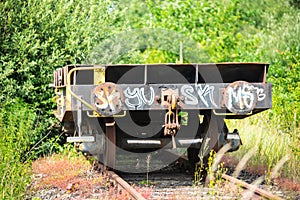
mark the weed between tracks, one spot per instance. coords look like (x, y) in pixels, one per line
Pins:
(218, 187)
(72, 176)
(215, 169)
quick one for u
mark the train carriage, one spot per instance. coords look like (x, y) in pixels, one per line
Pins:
(148, 107)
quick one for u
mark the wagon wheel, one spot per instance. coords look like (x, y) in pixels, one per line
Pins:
(109, 155)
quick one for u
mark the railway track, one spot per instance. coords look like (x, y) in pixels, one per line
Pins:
(250, 187)
(174, 182)
(126, 186)
(171, 182)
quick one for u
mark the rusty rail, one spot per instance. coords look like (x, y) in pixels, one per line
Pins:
(255, 189)
(135, 194)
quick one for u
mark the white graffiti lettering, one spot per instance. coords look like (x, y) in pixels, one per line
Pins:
(205, 94)
(134, 96)
(187, 91)
(143, 96)
(260, 93)
(111, 97)
(108, 100)
(248, 96)
(241, 98)
(206, 91)
(137, 98)
(104, 103)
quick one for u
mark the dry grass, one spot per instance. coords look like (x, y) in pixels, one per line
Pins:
(288, 184)
(269, 144)
(62, 171)
(75, 175)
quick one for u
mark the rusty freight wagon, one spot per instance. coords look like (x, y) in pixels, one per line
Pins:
(143, 108)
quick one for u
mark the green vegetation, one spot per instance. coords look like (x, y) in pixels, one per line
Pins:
(38, 36)
(270, 145)
(15, 129)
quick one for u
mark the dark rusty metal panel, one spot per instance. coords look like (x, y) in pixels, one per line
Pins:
(206, 73)
(190, 96)
(198, 85)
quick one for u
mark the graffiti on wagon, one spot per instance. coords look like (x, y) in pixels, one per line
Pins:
(237, 97)
(196, 95)
(241, 97)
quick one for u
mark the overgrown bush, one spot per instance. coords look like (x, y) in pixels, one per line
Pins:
(36, 37)
(39, 36)
(16, 128)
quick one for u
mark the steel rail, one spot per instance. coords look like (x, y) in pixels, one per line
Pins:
(255, 189)
(135, 194)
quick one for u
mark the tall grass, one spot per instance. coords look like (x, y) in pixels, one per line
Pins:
(16, 122)
(270, 142)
